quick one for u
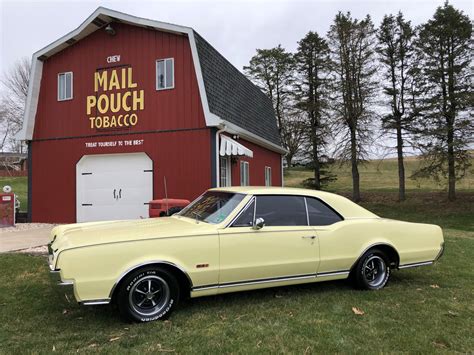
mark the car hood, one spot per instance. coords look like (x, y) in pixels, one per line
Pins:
(94, 233)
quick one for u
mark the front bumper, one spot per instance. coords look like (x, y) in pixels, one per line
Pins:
(441, 252)
(56, 273)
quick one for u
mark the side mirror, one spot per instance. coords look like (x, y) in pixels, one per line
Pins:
(258, 224)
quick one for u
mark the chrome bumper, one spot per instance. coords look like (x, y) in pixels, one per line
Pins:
(441, 252)
(56, 274)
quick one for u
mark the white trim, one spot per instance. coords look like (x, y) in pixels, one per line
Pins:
(85, 29)
(252, 137)
(282, 172)
(164, 60)
(65, 81)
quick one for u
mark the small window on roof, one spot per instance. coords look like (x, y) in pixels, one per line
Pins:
(165, 74)
(65, 86)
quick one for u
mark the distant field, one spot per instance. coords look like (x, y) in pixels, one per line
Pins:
(378, 175)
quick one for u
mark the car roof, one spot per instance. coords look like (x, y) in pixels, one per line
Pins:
(341, 204)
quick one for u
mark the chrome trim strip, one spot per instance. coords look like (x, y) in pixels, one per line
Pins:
(249, 202)
(270, 280)
(423, 263)
(306, 230)
(65, 283)
(145, 264)
(441, 252)
(95, 302)
(255, 282)
(306, 208)
(333, 273)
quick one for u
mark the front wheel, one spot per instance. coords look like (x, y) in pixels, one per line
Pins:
(148, 294)
(372, 270)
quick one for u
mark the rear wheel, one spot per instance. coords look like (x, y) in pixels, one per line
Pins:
(148, 294)
(372, 270)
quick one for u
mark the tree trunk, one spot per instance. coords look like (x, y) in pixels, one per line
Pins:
(401, 167)
(355, 169)
(289, 159)
(317, 167)
(451, 169)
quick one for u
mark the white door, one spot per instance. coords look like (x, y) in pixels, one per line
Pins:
(113, 186)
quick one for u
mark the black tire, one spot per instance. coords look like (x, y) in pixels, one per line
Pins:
(372, 271)
(148, 294)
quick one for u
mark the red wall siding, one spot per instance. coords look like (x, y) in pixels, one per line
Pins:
(139, 48)
(261, 158)
(183, 157)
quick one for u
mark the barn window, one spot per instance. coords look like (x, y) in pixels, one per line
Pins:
(165, 74)
(268, 176)
(244, 173)
(225, 171)
(65, 86)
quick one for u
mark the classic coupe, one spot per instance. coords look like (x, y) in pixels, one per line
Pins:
(235, 239)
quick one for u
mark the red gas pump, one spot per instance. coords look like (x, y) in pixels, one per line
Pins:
(7, 207)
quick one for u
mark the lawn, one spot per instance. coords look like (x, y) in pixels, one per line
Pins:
(421, 310)
(379, 175)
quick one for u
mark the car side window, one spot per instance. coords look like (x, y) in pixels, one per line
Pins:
(246, 217)
(320, 214)
(281, 210)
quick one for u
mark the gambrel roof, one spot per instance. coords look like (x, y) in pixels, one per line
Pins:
(228, 98)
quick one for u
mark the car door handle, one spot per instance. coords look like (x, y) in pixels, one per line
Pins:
(309, 237)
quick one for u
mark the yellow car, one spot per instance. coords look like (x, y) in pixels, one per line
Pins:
(235, 239)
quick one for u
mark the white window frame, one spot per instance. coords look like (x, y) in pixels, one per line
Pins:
(72, 86)
(164, 60)
(244, 173)
(225, 180)
(268, 176)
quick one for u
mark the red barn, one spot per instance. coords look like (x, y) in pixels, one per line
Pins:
(122, 104)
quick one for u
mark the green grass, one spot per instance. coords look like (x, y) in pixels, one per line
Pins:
(19, 186)
(420, 311)
(379, 175)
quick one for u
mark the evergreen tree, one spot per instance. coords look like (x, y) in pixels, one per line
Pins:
(311, 93)
(445, 127)
(395, 47)
(352, 44)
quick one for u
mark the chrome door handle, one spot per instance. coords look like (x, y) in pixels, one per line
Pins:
(309, 237)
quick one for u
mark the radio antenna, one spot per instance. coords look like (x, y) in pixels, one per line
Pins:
(166, 196)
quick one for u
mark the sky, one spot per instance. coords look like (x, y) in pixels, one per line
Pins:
(234, 28)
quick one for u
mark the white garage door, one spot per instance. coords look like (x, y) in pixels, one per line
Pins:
(113, 186)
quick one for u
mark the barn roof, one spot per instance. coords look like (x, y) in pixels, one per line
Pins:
(233, 97)
(228, 98)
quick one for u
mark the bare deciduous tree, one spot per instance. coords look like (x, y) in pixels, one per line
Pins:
(13, 100)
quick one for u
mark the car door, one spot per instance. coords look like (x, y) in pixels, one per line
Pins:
(285, 248)
(335, 256)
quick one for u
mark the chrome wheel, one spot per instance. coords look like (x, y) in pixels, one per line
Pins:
(149, 295)
(374, 271)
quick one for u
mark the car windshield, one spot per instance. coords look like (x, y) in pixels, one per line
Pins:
(213, 206)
